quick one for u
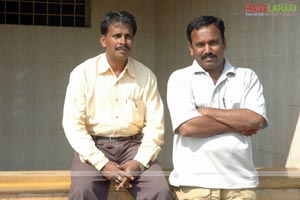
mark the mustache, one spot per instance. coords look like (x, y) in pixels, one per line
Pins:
(208, 55)
(123, 47)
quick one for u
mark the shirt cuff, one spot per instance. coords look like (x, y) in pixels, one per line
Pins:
(183, 118)
(145, 155)
(98, 160)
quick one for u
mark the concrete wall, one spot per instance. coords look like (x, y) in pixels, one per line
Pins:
(267, 44)
(35, 63)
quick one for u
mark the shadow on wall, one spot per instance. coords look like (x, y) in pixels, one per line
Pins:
(293, 159)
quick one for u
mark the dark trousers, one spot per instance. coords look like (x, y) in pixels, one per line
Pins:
(88, 183)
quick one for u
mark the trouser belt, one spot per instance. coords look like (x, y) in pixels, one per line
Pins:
(118, 139)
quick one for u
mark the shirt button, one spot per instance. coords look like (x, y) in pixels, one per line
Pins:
(117, 117)
(117, 99)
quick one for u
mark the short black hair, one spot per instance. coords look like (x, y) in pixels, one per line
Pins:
(114, 17)
(205, 21)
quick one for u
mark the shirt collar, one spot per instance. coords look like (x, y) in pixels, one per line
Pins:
(103, 66)
(228, 70)
(130, 67)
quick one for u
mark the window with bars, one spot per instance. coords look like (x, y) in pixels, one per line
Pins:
(74, 13)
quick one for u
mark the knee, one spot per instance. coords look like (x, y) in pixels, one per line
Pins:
(165, 193)
(87, 190)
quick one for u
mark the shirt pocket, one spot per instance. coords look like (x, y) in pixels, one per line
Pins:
(134, 111)
(233, 99)
(232, 103)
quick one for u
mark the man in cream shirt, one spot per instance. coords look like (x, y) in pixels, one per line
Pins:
(114, 120)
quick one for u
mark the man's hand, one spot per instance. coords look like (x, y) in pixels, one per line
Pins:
(132, 168)
(113, 172)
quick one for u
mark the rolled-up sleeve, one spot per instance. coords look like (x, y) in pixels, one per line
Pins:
(254, 98)
(181, 103)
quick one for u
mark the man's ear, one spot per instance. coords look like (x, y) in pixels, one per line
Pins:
(103, 40)
(224, 43)
(191, 49)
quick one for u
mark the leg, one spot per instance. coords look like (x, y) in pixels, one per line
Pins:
(86, 182)
(246, 194)
(197, 193)
(151, 185)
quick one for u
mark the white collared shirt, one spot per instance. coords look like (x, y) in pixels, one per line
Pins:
(220, 161)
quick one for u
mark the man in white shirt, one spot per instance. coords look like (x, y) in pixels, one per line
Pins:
(215, 108)
(114, 120)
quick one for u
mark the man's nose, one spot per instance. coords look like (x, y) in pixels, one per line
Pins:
(207, 48)
(122, 40)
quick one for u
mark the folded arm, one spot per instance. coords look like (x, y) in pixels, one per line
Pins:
(203, 126)
(215, 121)
(240, 119)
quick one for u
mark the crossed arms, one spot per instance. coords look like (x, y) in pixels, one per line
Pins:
(215, 121)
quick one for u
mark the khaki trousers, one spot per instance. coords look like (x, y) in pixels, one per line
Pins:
(193, 193)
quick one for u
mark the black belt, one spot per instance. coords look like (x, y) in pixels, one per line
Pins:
(118, 139)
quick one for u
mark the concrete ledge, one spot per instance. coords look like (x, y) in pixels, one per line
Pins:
(279, 178)
(50, 185)
(41, 182)
(34, 182)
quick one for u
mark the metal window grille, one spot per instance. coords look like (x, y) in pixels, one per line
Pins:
(73, 13)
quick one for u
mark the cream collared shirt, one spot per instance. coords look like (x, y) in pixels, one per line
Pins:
(99, 103)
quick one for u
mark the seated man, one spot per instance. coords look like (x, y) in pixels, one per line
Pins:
(113, 118)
